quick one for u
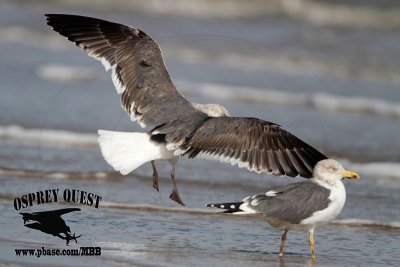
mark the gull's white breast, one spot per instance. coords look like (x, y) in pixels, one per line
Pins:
(337, 198)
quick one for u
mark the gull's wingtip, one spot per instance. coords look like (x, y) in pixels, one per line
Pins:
(49, 16)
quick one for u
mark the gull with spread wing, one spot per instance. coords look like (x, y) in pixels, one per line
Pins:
(177, 126)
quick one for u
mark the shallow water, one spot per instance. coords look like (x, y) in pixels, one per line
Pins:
(129, 231)
(57, 111)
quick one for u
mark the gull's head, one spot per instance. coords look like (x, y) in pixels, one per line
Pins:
(212, 110)
(330, 171)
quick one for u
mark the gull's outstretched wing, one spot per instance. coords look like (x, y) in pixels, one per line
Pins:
(137, 67)
(258, 145)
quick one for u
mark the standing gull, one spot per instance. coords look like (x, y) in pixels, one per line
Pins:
(299, 206)
(178, 126)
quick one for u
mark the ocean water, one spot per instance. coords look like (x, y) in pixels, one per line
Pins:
(54, 98)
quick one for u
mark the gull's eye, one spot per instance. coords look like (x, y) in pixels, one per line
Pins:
(332, 169)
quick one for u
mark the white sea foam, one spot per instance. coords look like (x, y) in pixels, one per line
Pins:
(241, 93)
(378, 169)
(54, 175)
(368, 223)
(63, 73)
(22, 35)
(319, 101)
(298, 63)
(66, 139)
(124, 251)
(357, 104)
(47, 137)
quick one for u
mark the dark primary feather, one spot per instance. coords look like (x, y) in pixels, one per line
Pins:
(265, 146)
(137, 62)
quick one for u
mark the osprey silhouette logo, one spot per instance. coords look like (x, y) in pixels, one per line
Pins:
(50, 222)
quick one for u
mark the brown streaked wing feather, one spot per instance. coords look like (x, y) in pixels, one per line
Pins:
(264, 146)
(135, 59)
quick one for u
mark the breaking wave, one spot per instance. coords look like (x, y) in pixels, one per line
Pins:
(67, 139)
(47, 137)
(378, 169)
(62, 73)
(319, 100)
(367, 223)
(55, 175)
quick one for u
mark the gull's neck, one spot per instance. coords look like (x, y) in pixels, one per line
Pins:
(326, 182)
(212, 110)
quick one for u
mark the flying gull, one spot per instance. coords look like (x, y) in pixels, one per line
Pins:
(299, 206)
(177, 126)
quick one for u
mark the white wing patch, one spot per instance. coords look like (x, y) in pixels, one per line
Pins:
(175, 147)
(233, 161)
(252, 201)
(134, 117)
(226, 159)
(114, 76)
(118, 83)
(104, 61)
(271, 193)
(255, 202)
(179, 151)
(116, 80)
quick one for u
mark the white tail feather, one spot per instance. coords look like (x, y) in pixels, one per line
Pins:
(126, 151)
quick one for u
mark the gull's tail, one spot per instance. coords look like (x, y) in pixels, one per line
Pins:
(126, 151)
(243, 207)
(234, 207)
